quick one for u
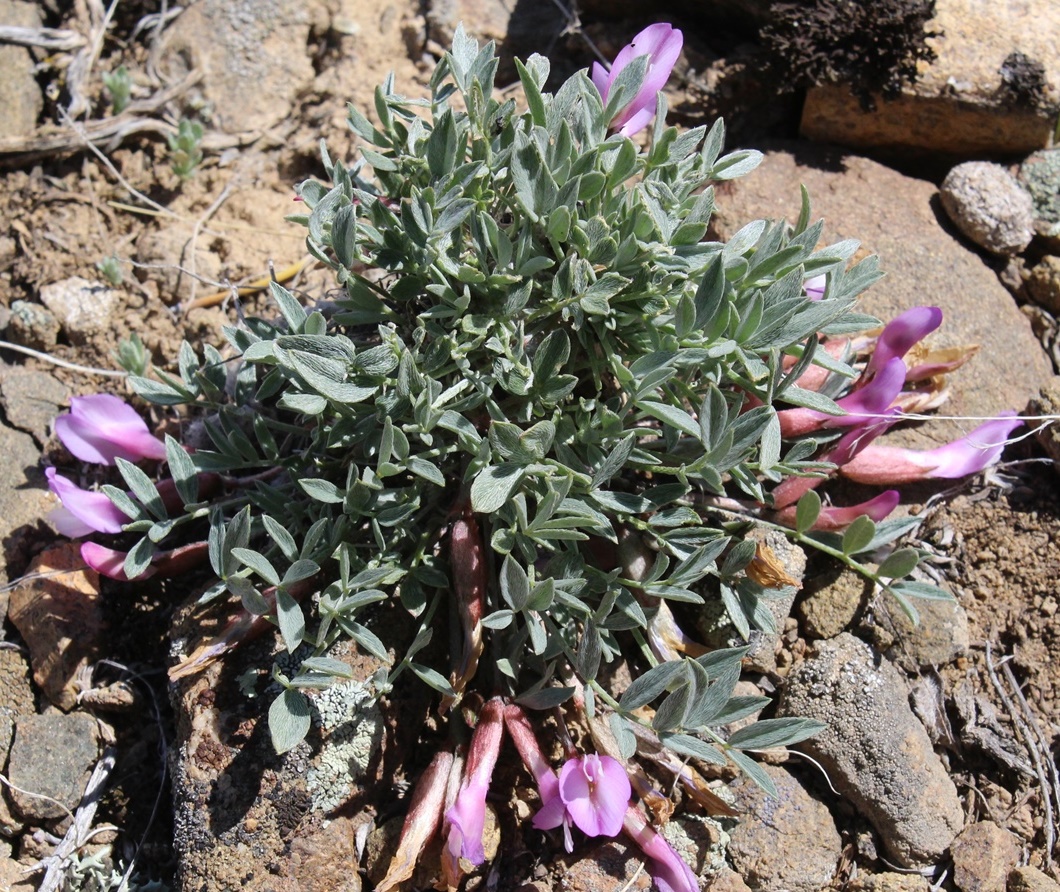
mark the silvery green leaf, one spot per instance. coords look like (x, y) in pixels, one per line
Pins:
(770, 453)
(687, 745)
(142, 487)
(738, 708)
(433, 679)
(499, 619)
(615, 461)
(811, 399)
(244, 589)
(427, 470)
(299, 570)
(280, 535)
(131, 509)
(735, 164)
(807, 511)
(290, 619)
(545, 698)
(528, 77)
(515, 585)
(493, 486)
(672, 416)
(900, 563)
(768, 733)
(645, 688)
(858, 535)
(671, 712)
(587, 657)
(321, 490)
(182, 470)
(138, 558)
(892, 529)
(754, 771)
(621, 502)
(258, 563)
(735, 611)
(913, 589)
(344, 237)
(623, 734)
(367, 639)
(289, 720)
(327, 666)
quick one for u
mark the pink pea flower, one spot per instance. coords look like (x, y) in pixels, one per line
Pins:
(467, 817)
(814, 287)
(109, 562)
(668, 869)
(864, 404)
(82, 511)
(661, 43)
(593, 794)
(101, 428)
(833, 518)
(968, 455)
(899, 336)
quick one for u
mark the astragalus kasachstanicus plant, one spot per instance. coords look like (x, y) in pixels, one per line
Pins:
(543, 403)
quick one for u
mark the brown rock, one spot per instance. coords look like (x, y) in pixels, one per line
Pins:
(609, 867)
(960, 104)
(56, 610)
(51, 759)
(874, 749)
(1030, 879)
(23, 101)
(983, 856)
(788, 842)
(832, 601)
(326, 861)
(1048, 403)
(1043, 284)
(939, 637)
(889, 882)
(726, 880)
(895, 217)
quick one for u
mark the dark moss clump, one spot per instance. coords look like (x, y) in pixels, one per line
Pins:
(1023, 79)
(872, 47)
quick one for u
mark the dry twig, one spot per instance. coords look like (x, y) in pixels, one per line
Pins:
(56, 39)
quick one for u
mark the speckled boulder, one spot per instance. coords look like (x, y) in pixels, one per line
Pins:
(788, 842)
(874, 750)
(987, 204)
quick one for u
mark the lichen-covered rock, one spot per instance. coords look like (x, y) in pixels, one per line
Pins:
(874, 750)
(987, 204)
(32, 325)
(1040, 175)
(939, 637)
(51, 759)
(788, 842)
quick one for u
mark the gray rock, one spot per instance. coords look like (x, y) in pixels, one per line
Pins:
(1043, 284)
(987, 204)
(832, 601)
(874, 750)
(789, 842)
(940, 636)
(894, 216)
(23, 101)
(252, 53)
(82, 307)
(23, 496)
(1039, 174)
(32, 325)
(52, 755)
(983, 856)
(31, 399)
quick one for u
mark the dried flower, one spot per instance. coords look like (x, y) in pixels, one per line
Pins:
(968, 455)
(661, 43)
(101, 428)
(82, 511)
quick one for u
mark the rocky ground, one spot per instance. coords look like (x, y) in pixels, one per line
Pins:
(939, 768)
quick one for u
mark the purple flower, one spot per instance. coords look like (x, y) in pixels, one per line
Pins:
(82, 511)
(467, 817)
(864, 404)
(668, 869)
(814, 287)
(593, 793)
(101, 428)
(900, 334)
(834, 518)
(661, 43)
(968, 455)
(108, 562)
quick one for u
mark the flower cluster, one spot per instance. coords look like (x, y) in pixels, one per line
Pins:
(533, 406)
